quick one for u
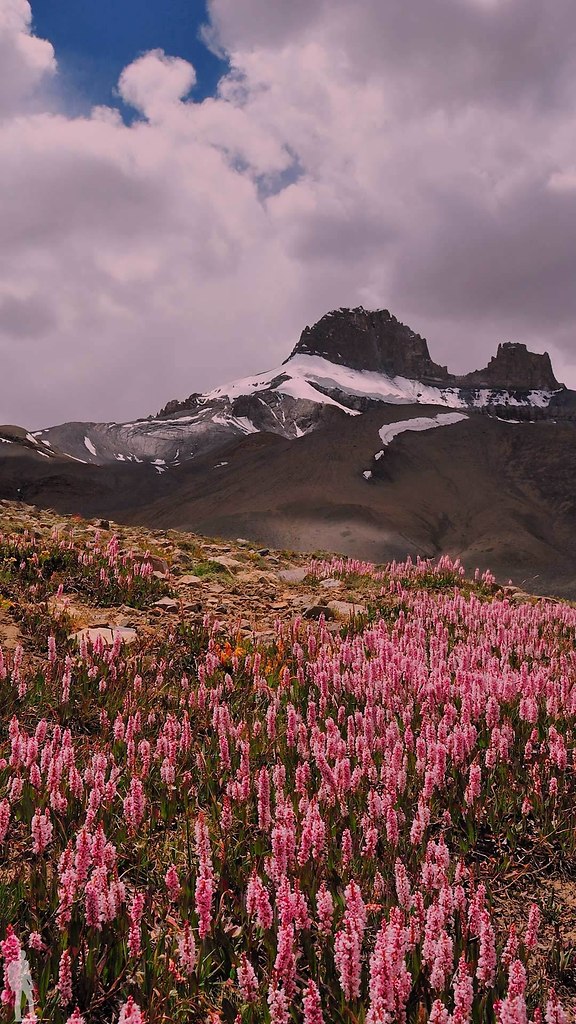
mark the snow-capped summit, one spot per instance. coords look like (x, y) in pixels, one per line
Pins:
(347, 362)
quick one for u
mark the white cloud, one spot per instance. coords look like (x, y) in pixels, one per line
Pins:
(24, 59)
(406, 155)
(154, 82)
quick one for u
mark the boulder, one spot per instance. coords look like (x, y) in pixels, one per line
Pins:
(346, 610)
(105, 633)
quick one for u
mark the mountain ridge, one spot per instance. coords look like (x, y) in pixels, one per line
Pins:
(349, 361)
(375, 340)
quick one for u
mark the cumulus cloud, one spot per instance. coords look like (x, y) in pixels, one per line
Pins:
(155, 82)
(25, 60)
(416, 156)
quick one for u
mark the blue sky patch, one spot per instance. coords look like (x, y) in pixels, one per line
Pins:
(94, 41)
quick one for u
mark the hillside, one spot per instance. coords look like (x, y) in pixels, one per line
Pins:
(242, 785)
(495, 493)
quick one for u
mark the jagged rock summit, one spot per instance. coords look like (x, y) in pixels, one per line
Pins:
(375, 341)
(515, 367)
(371, 340)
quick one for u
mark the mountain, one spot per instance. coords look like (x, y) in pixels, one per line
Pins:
(348, 361)
(359, 442)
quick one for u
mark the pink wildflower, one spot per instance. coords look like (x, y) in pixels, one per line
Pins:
(474, 784)
(4, 819)
(510, 951)
(512, 1010)
(134, 804)
(486, 970)
(554, 1012)
(64, 985)
(531, 936)
(35, 942)
(130, 1013)
(312, 1005)
(42, 830)
(402, 885)
(76, 1018)
(463, 994)
(203, 902)
(278, 1005)
(346, 848)
(516, 979)
(325, 908)
(285, 964)
(390, 980)
(172, 883)
(10, 949)
(134, 935)
(247, 980)
(348, 942)
(187, 949)
(438, 1014)
(258, 902)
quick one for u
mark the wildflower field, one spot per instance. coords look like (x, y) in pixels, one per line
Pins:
(319, 827)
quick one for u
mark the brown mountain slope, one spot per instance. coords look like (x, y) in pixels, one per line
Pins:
(499, 495)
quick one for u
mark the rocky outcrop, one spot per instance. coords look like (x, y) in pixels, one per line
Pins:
(514, 368)
(376, 340)
(371, 340)
(174, 406)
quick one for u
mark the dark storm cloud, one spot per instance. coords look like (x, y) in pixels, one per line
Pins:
(26, 317)
(519, 257)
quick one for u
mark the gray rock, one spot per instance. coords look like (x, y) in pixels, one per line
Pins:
(106, 633)
(169, 604)
(228, 562)
(315, 611)
(345, 610)
(158, 564)
(296, 575)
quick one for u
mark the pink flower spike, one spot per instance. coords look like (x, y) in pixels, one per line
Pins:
(312, 1005)
(76, 1018)
(64, 985)
(187, 949)
(531, 936)
(247, 980)
(554, 1012)
(130, 1013)
(172, 883)
(438, 1014)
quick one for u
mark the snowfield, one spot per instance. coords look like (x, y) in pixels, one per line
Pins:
(391, 430)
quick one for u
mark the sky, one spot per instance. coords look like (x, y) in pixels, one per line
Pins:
(185, 187)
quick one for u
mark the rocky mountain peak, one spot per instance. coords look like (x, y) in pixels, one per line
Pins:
(370, 340)
(375, 340)
(515, 368)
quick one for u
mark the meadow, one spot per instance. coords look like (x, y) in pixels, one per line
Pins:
(322, 827)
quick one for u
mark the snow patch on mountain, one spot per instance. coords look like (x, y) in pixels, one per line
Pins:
(400, 390)
(391, 430)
